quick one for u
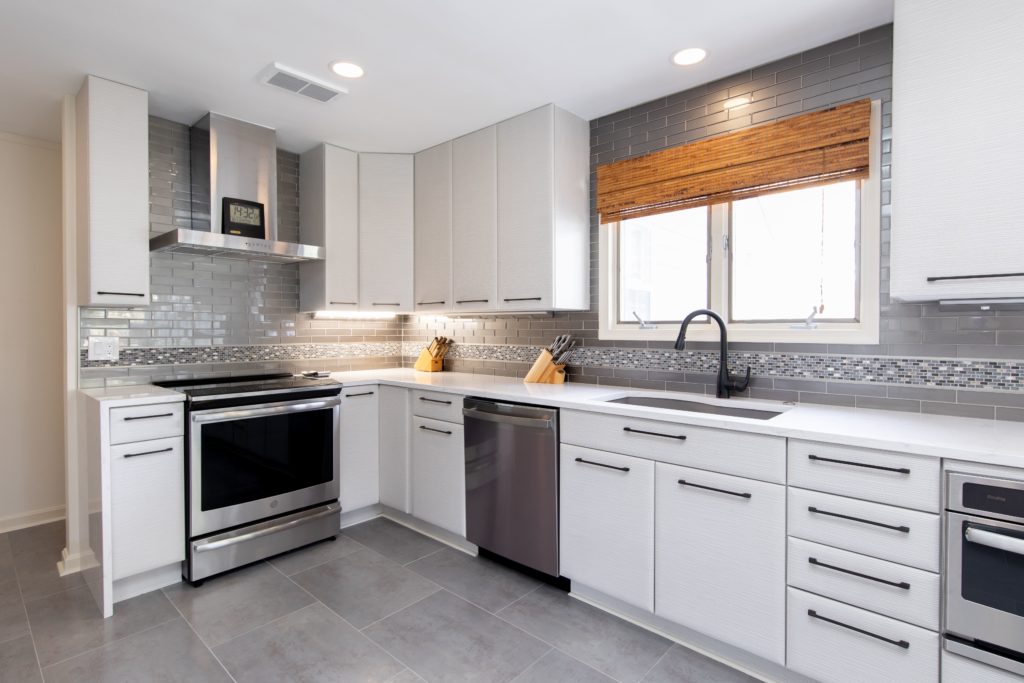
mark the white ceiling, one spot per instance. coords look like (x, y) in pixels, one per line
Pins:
(435, 69)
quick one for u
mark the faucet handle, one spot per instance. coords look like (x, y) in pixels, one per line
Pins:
(744, 383)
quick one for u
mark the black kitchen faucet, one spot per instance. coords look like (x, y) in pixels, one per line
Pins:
(725, 381)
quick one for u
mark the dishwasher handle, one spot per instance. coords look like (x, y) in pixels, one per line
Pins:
(518, 421)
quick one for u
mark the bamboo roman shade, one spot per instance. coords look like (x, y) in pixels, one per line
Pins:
(810, 149)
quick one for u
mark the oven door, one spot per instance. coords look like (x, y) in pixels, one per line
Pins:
(251, 462)
(985, 580)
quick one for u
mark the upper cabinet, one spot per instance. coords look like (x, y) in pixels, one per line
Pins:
(956, 193)
(329, 211)
(112, 193)
(475, 220)
(433, 243)
(385, 232)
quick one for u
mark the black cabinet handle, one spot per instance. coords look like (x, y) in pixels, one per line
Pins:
(972, 277)
(439, 431)
(683, 482)
(898, 643)
(680, 437)
(435, 400)
(343, 303)
(135, 455)
(384, 304)
(473, 301)
(120, 294)
(526, 298)
(601, 464)
(902, 529)
(365, 393)
(148, 417)
(428, 303)
(898, 584)
(901, 470)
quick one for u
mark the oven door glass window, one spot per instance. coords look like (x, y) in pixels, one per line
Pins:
(991, 576)
(254, 458)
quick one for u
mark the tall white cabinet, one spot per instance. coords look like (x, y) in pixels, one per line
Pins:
(433, 218)
(386, 232)
(475, 220)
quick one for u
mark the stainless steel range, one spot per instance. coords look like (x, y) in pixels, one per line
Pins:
(262, 468)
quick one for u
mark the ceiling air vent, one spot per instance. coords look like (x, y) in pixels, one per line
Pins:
(299, 83)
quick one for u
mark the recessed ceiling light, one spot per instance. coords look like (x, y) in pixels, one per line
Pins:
(347, 69)
(689, 56)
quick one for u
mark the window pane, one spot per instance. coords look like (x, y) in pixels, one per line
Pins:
(663, 267)
(793, 251)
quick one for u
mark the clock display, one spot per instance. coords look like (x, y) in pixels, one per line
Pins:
(246, 215)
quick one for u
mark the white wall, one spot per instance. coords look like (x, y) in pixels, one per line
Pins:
(31, 412)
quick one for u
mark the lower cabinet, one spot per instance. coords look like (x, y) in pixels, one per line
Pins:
(393, 404)
(360, 448)
(438, 472)
(607, 523)
(720, 549)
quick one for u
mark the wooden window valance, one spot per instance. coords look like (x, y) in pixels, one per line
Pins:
(805, 150)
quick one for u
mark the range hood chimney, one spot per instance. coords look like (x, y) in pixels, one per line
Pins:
(233, 162)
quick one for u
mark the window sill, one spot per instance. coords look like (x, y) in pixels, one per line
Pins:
(824, 334)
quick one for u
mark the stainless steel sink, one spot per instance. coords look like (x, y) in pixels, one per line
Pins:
(695, 407)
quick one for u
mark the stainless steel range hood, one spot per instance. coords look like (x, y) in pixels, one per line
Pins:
(232, 158)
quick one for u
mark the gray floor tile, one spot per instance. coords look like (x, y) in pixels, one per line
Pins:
(229, 605)
(69, 623)
(682, 665)
(445, 638)
(18, 662)
(558, 666)
(312, 645)
(48, 536)
(170, 653)
(37, 572)
(407, 676)
(318, 553)
(364, 586)
(393, 540)
(6, 559)
(483, 582)
(13, 622)
(616, 647)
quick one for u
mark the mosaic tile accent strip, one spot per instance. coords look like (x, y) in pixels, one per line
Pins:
(252, 353)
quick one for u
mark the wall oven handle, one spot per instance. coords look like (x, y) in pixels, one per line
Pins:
(993, 540)
(898, 643)
(244, 412)
(901, 529)
(897, 584)
(900, 470)
(266, 531)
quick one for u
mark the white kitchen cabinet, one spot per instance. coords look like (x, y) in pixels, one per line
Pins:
(433, 204)
(438, 471)
(112, 178)
(956, 201)
(475, 221)
(329, 210)
(360, 448)
(386, 232)
(607, 523)
(720, 557)
(394, 447)
(543, 211)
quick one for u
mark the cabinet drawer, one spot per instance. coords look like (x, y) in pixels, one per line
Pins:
(438, 406)
(891, 533)
(439, 474)
(957, 669)
(881, 649)
(910, 481)
(745, 455)
(892, 589)
(142, 423)
(147, 492)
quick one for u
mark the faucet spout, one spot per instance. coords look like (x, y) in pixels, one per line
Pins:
(725, 381)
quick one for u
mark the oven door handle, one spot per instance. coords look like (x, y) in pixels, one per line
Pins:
(202, 546)
(993, 540)
(247, 412)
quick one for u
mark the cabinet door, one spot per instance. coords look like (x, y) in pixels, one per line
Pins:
(433, 271)
(394, 447)
(439, 474)
(607, 523)
(720, 550)
(386, 232)
(147, 503)
(475, 221)
(525, 211)
(360, 468)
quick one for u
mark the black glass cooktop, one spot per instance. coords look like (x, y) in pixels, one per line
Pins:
(246, 384)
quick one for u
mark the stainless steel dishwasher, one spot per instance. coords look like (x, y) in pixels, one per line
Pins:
(512, 481)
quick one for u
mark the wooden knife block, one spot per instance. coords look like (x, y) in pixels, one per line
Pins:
(427, 363)
(544, 371)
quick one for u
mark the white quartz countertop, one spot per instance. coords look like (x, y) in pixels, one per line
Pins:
(133, 395)
(981, 441)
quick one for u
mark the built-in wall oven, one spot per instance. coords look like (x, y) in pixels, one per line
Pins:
(262, 469)
(984, 616)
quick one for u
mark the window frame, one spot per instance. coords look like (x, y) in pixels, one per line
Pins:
(863, 331)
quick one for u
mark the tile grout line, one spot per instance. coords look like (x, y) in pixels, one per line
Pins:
(657, 662)
(196, 633)
(112, 642)
(411, 604)
(24, 608)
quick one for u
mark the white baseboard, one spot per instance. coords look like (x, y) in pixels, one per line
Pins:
(23, 520)
(161, 577)
(72, 564)
(361, 515)
(428, 529)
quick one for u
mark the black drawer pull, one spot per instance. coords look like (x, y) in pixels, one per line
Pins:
(120, 294)
(898, 584)
(435, 400)
(135, 455)
(343, 303)
(901, 470)
(902, 529)
(472, 301)
(429, 303)
(148, 417)
(439, 431)
(526, 298)
(972, 277)
(384, 304)
(365, 393)
(712, 488)
(601, 464)
(680, 437)
(898, 643)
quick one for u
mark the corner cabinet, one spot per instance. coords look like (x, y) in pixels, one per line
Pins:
(386, 233)
(112, 193)
(433, 202)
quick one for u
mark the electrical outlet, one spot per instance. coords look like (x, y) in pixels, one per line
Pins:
(103, 348)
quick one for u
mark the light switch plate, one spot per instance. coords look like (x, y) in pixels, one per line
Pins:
(103, 348)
